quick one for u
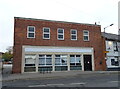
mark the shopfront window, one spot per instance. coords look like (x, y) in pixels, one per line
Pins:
(115, 62)
(45, 60)
(60, 62)
(30, 60)
(75, 62)
(45, 63)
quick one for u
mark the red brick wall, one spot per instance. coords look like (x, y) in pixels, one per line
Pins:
(20, 38)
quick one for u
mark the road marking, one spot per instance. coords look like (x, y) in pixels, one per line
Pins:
(54, 84)
(46, 85)
(77, 83)
(37, 86)
(114, 81)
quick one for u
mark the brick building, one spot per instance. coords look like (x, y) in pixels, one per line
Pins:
(45, 45)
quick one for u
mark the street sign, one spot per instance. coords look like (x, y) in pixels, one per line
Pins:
(106, 51)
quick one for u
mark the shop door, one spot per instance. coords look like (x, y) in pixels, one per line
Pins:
(87, 62)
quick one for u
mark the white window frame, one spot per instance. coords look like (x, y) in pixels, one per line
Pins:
(46, 32)
(30, 32)
(76, 60)
(32, 60)
(45, 59)
(60, 34)
(61, 60)
(86, 35)
(73, 34)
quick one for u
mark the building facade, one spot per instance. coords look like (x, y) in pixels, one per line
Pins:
(113, 51)
(46, 45)
(1, 53)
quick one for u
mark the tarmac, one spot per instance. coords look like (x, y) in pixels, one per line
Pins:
(8, 76)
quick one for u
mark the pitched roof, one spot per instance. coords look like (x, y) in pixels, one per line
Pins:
(110, 36)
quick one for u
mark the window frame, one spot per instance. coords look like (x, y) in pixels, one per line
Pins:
(115, 48)
(46, 32)
(86, 35)
(75, 60)
(60, 59)
(34, 60)
(30, 32)
(45, 57)
(115, 62)
(60, 34)
(73, 34)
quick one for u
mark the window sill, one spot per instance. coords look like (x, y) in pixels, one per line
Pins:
(73, 40)
(61, 39)
(30, 37)
(46, 38)
(86, 40)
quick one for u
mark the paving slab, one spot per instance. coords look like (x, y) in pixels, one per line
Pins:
(55, 74)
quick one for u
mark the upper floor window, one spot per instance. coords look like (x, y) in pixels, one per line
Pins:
(46, 33)
(30, 32)
(73, 34)
(60, 33)
(86, 35)
(115, 46)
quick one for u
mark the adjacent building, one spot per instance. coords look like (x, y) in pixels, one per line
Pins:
(113, 51)
(47, 45)
(1, 53)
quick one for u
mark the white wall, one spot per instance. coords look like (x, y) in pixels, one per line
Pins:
(112, 54)
(109, 62)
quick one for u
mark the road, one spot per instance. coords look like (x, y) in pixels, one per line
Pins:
(93, 80)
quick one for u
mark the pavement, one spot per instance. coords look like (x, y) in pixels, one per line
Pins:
(8, 76)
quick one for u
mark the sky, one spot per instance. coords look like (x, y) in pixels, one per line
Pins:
(103, 12)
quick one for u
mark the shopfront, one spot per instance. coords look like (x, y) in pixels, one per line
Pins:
(50, 58)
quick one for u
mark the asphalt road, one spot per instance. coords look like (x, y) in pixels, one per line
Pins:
(93, 80)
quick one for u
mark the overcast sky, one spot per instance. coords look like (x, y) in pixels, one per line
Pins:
(104, 12)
